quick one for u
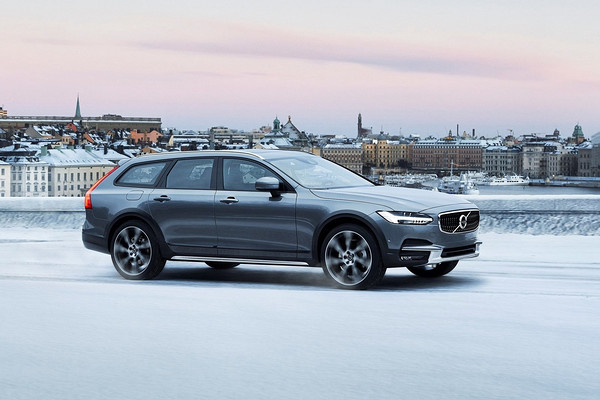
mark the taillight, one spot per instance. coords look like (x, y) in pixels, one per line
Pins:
(88, 194)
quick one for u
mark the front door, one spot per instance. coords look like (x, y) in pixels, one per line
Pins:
(253, 224)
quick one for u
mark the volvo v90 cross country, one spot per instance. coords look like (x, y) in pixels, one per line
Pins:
(272, 207)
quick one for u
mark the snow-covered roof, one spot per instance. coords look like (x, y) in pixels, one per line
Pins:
(73, 157)
(496, 148)
(279, 141)
(502, 148)
(236, 146)
(25, 160)
(131, 153)
(343, 146)
(110, 155)
(267, 146)
(454, 142)
(121, 143)
(189, 139)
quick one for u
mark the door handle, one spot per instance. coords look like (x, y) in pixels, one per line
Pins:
(162, 198)
(229, 200)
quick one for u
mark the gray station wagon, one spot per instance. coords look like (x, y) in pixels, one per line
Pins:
(225, 208)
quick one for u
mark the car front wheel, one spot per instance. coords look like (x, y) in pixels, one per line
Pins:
(435, 270)
(350, 257)
(135, 253)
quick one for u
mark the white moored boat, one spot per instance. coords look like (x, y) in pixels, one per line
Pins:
(462, 184)
(507, 180)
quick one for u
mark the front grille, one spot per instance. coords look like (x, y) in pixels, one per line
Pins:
(459, 221)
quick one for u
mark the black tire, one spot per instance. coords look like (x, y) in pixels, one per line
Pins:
(134, 251)
(433, 271)
(350, 257)
(221, 265)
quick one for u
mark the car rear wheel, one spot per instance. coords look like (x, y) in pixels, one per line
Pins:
(350, 257)
(135, 252)
(221, 265)
(435, 270)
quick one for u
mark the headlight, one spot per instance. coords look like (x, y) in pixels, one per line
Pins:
(405, 217)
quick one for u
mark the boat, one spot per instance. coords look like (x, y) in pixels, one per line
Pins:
(408, 180)
(506, 180)
(462, 184)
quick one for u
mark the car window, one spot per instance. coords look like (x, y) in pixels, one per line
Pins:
(318, 173)
(142, 174)
(191, 174)
(242, 174)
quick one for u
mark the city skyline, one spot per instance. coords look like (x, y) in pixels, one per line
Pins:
(407, 68)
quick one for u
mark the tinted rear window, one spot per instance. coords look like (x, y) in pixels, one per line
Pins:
(142, 174)
(191, 174)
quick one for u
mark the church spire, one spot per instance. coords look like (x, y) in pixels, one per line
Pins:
(77, 110)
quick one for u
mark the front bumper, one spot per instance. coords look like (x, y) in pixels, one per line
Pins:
(435, 254)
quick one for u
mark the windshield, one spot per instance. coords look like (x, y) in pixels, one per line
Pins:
(318, 173)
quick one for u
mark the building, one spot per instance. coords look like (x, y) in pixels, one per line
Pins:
(28, 175)
(559, 160)
(502, 160)
(143, 137)
(595, 157)
(386, 154)
(298, 139)
(584, 159)
(448, 154)
(362, 132)
(71, 172)
(392, 153)
(189, 140)
(547, 159)
(534, 160)
(43, 132)
(577, 137)
(223, 136)
(286, 137)
(4, 179)
(348, 155)
(105, 122)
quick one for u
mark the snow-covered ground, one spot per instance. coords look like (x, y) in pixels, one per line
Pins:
(519, 322)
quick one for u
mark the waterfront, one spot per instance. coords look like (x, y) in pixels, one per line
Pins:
(536, 190)
(528, 190)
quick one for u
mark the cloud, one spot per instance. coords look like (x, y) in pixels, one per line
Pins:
(396, 55)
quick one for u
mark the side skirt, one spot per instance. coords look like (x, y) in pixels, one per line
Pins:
(240, 260)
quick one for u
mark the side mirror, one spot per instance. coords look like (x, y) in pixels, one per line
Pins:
(268, 184)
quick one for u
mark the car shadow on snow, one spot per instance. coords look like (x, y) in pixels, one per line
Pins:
(246, 275)
(303, 277)
(395, 281)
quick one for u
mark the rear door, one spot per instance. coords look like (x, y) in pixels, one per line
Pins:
(184, 207)
(253, 224)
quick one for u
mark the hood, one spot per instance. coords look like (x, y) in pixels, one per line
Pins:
(394, 198)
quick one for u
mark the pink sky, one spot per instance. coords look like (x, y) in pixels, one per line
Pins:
(408, 67)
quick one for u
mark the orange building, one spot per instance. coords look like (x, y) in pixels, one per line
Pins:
(145, 137)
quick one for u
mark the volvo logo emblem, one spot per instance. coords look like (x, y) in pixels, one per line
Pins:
(462, 222)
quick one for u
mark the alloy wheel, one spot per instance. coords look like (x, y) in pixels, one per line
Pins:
(348, 257)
